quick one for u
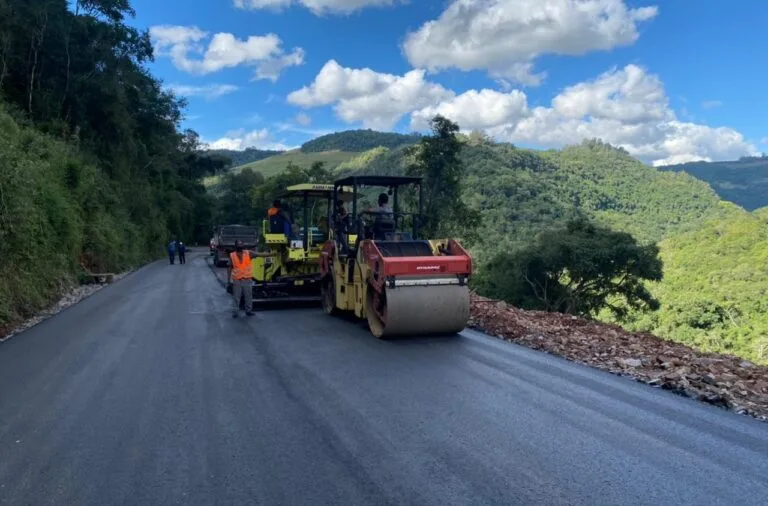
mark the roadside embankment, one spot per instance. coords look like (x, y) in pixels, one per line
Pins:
(71, 296)
(721, 380)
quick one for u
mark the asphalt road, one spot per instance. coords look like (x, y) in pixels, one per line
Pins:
(150, 393)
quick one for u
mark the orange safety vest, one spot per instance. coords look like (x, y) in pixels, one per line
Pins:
(241, 269)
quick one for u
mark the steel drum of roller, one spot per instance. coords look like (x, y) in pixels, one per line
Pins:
(419, 310)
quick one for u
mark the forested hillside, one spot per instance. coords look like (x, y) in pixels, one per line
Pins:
(521, 191)
(95, 172)
(715, 289)
(358, 140)
(743, 182)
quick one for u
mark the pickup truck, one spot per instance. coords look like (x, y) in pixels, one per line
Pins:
(225, 236)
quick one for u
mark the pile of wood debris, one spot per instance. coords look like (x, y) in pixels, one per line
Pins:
(722, 380)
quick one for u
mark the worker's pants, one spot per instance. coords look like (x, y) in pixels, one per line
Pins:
(242, 287)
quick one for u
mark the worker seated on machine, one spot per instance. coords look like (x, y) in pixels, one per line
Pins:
(279, 221)
(384, 223)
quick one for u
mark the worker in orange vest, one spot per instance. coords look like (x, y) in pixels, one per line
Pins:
(279, 221)
(240, 272)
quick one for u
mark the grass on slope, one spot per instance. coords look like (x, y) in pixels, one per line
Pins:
(276, 164)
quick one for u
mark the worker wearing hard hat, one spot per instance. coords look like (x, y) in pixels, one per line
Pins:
(240, 274)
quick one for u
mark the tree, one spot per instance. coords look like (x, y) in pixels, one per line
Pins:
(436, 160)
(579, 269)
(317, 173)
(235, 203)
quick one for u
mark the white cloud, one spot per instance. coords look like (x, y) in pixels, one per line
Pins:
(303, 119)
(208, 92)
(476, 109)
(362, 95)
(271, 69)
(318, 7)
(167, 37)
(711, 104)
(239, 140)
(625, 107)
(504, 37)
(185, 45)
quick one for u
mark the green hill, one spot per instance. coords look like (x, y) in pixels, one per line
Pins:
(242, 157)
(276, 164)
(358, 140)
(521, 191)
(336, 150)
(743, 182)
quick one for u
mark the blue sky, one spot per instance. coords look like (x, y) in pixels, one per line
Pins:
(669, 80)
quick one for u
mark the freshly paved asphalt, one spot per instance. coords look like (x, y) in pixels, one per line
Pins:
(149, 393)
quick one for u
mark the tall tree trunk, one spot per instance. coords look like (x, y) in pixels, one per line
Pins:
(5, 45)
(36, 44)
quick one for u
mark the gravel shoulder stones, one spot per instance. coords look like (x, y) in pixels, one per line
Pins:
(722, 380)
(71, 296)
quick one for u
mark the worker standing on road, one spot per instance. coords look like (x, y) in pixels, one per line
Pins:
(240, 273)
(172, 251)
(182, 253)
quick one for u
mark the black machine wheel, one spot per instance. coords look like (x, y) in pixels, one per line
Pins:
(328, 294)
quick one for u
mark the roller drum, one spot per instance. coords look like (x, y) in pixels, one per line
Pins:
(420, 310)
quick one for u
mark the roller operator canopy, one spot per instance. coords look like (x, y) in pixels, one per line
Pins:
(377, 181)
(312, 190)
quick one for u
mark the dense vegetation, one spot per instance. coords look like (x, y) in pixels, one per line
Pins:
(358, 140)
(577, 269)
(244, 197)
(95, 173)
(743, 182)
(238, 158)
(715, 289)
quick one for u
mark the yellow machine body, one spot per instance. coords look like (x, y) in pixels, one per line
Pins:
(293, 271)
(399, 283)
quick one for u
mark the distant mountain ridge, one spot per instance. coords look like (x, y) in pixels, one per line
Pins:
(358, 141)
(743, 182)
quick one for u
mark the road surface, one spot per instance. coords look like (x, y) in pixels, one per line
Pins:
(150, 393)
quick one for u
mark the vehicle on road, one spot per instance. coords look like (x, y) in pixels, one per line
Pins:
(376, 265)
(212, 246)
(293, 273)
(225, 237)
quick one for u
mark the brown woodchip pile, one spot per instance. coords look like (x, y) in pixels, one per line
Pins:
(722, 380)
